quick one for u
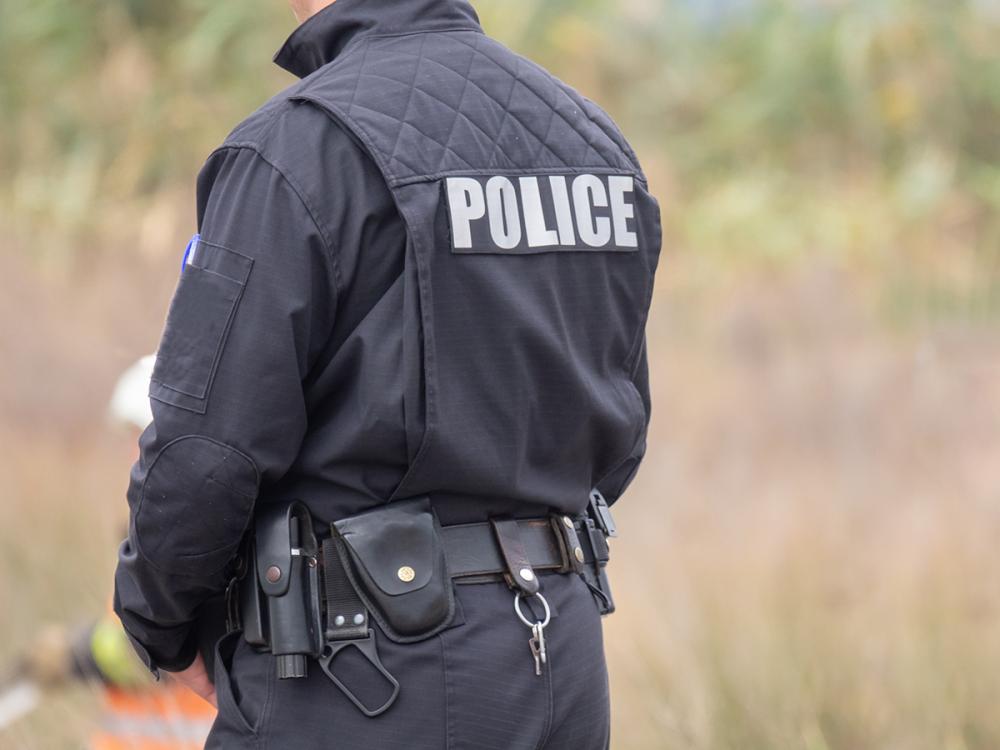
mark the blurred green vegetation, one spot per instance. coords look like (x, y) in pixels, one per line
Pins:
(864, 133)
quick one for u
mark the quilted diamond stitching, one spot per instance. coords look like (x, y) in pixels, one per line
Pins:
(414, 169)
(418, 131)
(545, 138)
(357, 79)
(409, 97)
(503, 120)
(506, 110)
(582, 138)
(490, 136)
(466, 80)
(588, 107)
(429, 95)
(519, 121)
(566, 96)
(538, 96)
(458, 107)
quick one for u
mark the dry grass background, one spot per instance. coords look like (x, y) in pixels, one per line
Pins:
(809, 555)
(811, 550)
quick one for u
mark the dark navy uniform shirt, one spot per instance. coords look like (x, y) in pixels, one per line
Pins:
(279, 372)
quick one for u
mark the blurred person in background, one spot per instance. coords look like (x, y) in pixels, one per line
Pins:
(137, 713)
(416, 304)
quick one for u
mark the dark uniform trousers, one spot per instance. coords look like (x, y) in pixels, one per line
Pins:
(424, 270)
(472, 687)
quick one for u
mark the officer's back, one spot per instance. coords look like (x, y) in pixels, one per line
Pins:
(423, 271)
(521, 293)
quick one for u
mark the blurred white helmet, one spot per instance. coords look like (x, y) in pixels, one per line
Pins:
(130, 399)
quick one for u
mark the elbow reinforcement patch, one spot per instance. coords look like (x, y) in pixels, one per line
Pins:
(195, 505)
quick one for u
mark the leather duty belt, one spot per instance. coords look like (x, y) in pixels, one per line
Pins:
(558, 543)
(475, 553)
(510, 550)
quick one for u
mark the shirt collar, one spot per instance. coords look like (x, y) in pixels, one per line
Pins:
(321, 38)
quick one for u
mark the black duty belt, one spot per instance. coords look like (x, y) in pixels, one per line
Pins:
(500, 549)
(298, 597)
(556, 543)
(561, 543)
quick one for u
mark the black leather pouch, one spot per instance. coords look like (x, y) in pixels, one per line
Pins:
(395, 559)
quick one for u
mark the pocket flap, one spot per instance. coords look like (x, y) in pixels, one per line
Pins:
(194, 336)
(396, 545)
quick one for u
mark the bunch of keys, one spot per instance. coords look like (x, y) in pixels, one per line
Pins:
(537, 641)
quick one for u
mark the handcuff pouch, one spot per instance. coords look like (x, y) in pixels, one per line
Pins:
(395, 559)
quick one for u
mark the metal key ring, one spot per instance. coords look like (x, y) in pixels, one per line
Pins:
(517, 609)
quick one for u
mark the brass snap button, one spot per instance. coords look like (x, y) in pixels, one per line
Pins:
(273, 574)
(578, 553)
(406, 574)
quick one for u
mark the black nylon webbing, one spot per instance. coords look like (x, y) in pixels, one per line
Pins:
(346, 615)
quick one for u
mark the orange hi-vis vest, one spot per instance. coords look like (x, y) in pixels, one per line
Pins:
(161, 717)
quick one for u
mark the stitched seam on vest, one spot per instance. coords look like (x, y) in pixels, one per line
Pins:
(430, 415)
(514, 172)
(448, 30)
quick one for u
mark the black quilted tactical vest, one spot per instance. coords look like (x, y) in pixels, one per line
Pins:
(532, 243)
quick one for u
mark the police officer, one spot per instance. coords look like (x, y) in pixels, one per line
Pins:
(419, 290)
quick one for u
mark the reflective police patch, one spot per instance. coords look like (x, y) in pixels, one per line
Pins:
(520, 215)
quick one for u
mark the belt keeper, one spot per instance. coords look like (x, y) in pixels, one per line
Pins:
(571, 548)
(564, 564)
(519, 575)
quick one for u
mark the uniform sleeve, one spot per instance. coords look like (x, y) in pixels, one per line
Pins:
(252, 310)
(613, 486)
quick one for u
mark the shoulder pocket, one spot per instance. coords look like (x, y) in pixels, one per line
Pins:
(198, 323)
